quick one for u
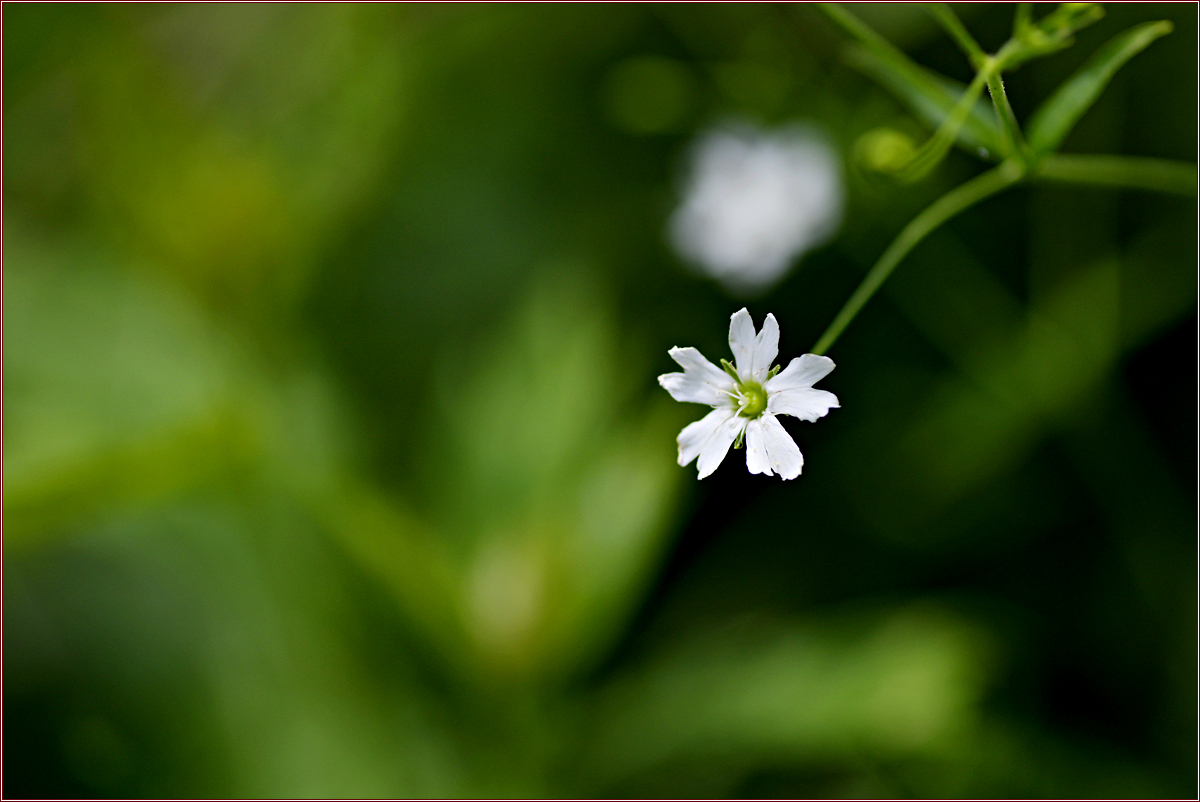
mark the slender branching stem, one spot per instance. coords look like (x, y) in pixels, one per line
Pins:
(956, 200)
(1132, 172)
(1113, 171)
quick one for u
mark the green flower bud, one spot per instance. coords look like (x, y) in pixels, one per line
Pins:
(884, 150)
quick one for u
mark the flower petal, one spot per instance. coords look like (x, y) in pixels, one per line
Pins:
(804, 403)
(718, 445)
(756, 448)
(802, 372)
(782, 451)
(702, 382)
(696, 435)
(742, 342)
(766, 348)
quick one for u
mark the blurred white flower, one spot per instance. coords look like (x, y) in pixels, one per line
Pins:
(755, 202)
(746, 399)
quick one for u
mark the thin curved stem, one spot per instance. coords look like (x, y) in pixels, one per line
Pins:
(956, 200)
(958, 32)
(937, 146)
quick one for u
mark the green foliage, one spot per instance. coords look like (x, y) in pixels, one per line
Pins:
(1055, 118)
(334, 464)
(1056, 31)
(1050, 125)
(934, 98)
(956, 113)
(771, 692)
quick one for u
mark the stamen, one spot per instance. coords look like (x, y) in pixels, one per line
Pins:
(752, 400)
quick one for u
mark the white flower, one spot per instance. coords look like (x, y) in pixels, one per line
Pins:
(755, 202)
(746, 399)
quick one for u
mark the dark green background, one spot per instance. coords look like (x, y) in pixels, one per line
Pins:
(335, 464)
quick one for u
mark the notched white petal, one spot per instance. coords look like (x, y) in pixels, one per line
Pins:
(766, 348)
(806, 403)
(782, 451)
(702, 382)
(742, 341)
(718, 445)
(802, 372)
(756, 448)
(696, 435)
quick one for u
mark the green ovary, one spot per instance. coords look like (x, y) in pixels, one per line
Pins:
(756, 400)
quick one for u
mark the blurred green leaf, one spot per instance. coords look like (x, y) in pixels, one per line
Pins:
(620, 525)
(752, 696)
(1055, 118)
(118, 390)
(393, 547)
(124, 391)
(568, 494)
(546, 510)
(226, 168)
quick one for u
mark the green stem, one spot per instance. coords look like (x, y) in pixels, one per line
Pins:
(938, 145)
(941, 210)
(1004, 111)
(851, 25)
(1022, 20)
(927, 87)
(1133, 172)
(958, 32)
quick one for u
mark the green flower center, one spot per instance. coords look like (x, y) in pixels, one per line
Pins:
(754, 400)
